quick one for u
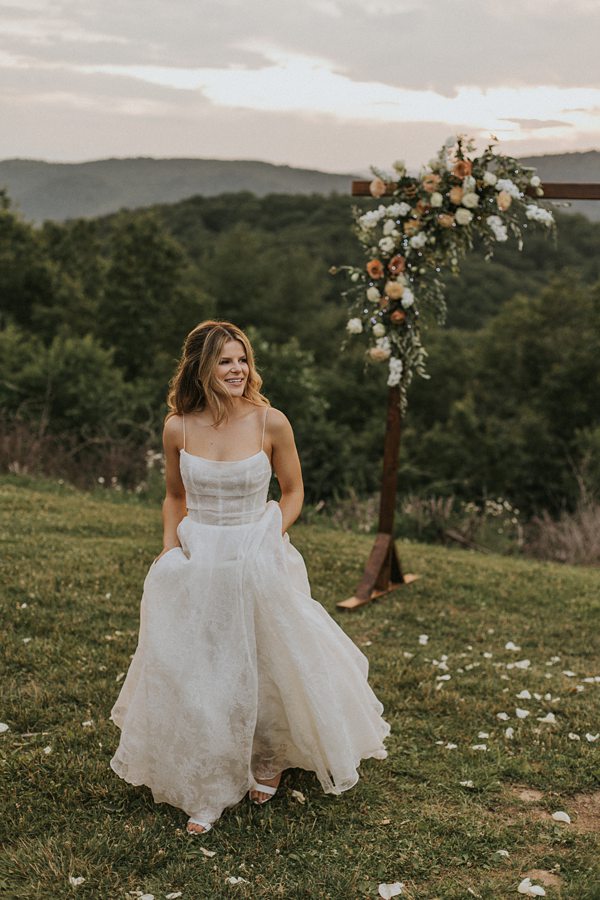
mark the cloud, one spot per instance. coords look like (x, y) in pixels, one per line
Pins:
(531, 124)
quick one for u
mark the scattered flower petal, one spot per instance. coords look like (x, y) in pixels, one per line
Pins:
(487, 655)
(561, 816)
(483, 734)
(569, 674)
(479, 747)
(3, 727)
(208, 853)
(88, 724)
(48, 749)
(451, 746)
(524, 695)
(532, 890)
(521, 713)
(174, 894)
(511, 646)
(573, 736)
(233, 879)
(592, 737)
(522, 664)
(549, 718)
(504, 717)
(387, 891)
(299, 796)
(75, 880)
(26, 640)
(423, 638)
(502, 853)
(467, 784)
(509, 733)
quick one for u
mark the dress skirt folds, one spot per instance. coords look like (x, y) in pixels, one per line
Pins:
(238, 672)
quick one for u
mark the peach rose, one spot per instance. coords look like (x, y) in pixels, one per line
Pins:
(422, 207)
(503, 200)
(430, 183)
(378, 354)
(375, 268)
(397, 264)
(446, 220)
(462, 168)
(377, 187)
(411, 226)
(456, 194)
(397, 316)
(394, 290)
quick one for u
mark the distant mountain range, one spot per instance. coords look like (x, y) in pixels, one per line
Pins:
(59, 191)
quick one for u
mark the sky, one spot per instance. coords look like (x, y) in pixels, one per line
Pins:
(336, 85)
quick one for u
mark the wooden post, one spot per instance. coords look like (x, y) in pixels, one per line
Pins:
(383, 572)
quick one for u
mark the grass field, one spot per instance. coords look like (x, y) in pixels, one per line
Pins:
(434, 815)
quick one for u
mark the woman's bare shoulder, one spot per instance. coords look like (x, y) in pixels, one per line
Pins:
(173, 429)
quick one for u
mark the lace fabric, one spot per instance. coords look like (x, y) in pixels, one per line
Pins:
(238, 672)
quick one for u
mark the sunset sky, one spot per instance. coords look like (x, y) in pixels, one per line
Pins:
(328, 84)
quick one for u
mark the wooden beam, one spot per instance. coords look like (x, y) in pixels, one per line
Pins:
(553, 190)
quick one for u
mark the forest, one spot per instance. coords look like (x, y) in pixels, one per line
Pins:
(94, 312)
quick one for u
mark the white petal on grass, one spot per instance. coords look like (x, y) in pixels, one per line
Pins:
(76, 879)
(502, 853)
(146, 896)
(483, 734)
(510, 645)
(522, 664)
(467, 784)
(26, 640)
(174, 895)
(509, 733)
(532, 890)
(423, 638)
(451, 746)
(592, 737)
(208, 853)
(479, 747)
(549, 719)
(573, 736)
(443, 677)
(569, 674)
(521, 713)
(487, 655)
(88, 724)
(233, 879)
(299, 796)
(48, 749)
(3, 727)
(560, 816)
(524, 695)
(387, 891)
(504, 717)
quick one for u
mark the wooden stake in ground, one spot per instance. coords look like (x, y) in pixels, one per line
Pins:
(383, 572)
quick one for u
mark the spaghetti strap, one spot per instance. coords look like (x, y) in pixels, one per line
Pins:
(263, 431)
(183, 421)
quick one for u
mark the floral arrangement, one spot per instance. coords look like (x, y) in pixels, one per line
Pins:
(431, 223)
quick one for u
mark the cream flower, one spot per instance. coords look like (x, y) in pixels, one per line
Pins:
(489, 178)
(470, 200)
(463, 216)
(379, 329)
(373, 294)
(394, 289)
(436, 199)
(354, 326)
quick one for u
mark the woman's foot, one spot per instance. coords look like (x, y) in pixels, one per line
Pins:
(258, 796)
(195, 826)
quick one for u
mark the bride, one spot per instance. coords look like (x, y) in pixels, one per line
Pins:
(238, 673)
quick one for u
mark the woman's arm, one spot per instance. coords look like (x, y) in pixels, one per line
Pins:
(173, 508)
(286, 466)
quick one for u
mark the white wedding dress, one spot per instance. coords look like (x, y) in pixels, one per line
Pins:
(238, 672)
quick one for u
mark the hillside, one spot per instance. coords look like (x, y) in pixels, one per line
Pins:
(59, 191)
(479, 757)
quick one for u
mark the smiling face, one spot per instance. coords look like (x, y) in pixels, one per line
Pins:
(232, 368)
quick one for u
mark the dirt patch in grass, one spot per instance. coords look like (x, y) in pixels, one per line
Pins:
(527, 795)
(586, 810)
(548, 879)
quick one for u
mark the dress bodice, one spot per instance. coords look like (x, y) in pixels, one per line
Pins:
(225, 492)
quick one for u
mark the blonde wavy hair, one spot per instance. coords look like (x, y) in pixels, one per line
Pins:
(195, 386)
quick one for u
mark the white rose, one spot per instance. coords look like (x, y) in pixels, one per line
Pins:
(505, 184)
(535, 181)
(389, 227)
(354, 326)
(418, 240)
(379, 329)
(369, 219)
(354, 277)
(436, 199)
(386, 245)
(397, 210)
(470, 200)
(468, 183)
(408, 298)
(373, 295)
(399, 167)
(489, 178)
(395, 371)
(450, 142)
(463, 216)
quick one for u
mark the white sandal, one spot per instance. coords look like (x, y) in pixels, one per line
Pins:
(264, 789)
(195, 821)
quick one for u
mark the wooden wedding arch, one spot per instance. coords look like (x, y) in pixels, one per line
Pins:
(383, 571)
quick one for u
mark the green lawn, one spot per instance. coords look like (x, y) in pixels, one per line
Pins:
(72, 570)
